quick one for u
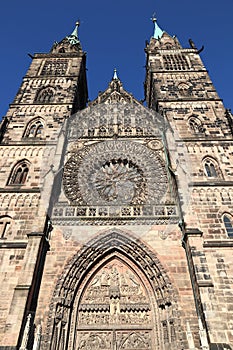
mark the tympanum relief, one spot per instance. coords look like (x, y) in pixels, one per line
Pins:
(115, 311)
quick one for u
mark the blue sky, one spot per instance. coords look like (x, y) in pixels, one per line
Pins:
(113, 34)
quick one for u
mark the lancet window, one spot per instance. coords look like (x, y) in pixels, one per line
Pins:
(34, 129)
(227, 219)
(210, 168)
(19, 173)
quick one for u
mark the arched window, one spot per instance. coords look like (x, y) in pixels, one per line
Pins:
(19, 173)
(45, 95)
(195, 125)
(210, 168)
(184, 89)
(34, 129)
(5, 222)
(228, 225)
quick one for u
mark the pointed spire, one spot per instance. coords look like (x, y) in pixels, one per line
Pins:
(115, 74)
(158, 32)
(73, 37)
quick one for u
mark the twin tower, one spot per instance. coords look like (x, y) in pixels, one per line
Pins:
(116, 227)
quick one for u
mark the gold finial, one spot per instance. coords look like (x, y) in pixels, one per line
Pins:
(153, 18)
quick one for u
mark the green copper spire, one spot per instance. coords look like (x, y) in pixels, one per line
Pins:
(158, 32)
(73, 37)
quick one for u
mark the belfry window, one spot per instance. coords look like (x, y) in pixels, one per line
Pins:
(46, 95)
(55, 67)
(228, 225)
(175, 62)
(19, 174)
(34, 129)
(210, 168)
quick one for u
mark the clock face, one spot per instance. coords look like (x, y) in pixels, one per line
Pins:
(115, 173)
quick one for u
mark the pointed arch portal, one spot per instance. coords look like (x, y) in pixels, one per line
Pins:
(114, 295)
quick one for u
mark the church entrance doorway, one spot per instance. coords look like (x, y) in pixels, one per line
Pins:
(115, 310)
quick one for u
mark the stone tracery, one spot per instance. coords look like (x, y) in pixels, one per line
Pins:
(117, 172)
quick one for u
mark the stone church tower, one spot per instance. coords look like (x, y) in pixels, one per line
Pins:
(115, 218)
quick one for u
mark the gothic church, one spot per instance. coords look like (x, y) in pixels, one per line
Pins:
(116, 227)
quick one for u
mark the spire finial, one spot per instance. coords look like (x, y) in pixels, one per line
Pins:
(115, 74)
(153, 18)
(158, 32)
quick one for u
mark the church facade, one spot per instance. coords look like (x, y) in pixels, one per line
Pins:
(116, 227)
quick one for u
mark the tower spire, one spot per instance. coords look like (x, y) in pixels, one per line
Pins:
(73, 37)
(115, 74)
(158, 32)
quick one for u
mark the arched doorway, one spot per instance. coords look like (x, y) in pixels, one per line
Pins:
(113, 295)
(115, 308)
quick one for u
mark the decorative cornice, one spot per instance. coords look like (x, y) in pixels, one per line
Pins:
(218, 243)
(59, 55)
(207, 139)
(193, 231)
(211, 183)
(28, 142)
(13, 245)
(203, 284)
(193, 99)
(35, 234)
(19, 189)
(22, 287)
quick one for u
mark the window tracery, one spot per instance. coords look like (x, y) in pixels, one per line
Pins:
(211, 168)
(34, 129)
(195, 125)
(175, 62)
(19, 173)
(55, 67)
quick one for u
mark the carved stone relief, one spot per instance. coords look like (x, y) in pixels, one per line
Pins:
(114, 297)
(113, 294)
(116, 172)
(128, 119)
(116, 179)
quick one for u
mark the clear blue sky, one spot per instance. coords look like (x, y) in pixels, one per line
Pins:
(113, 34)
